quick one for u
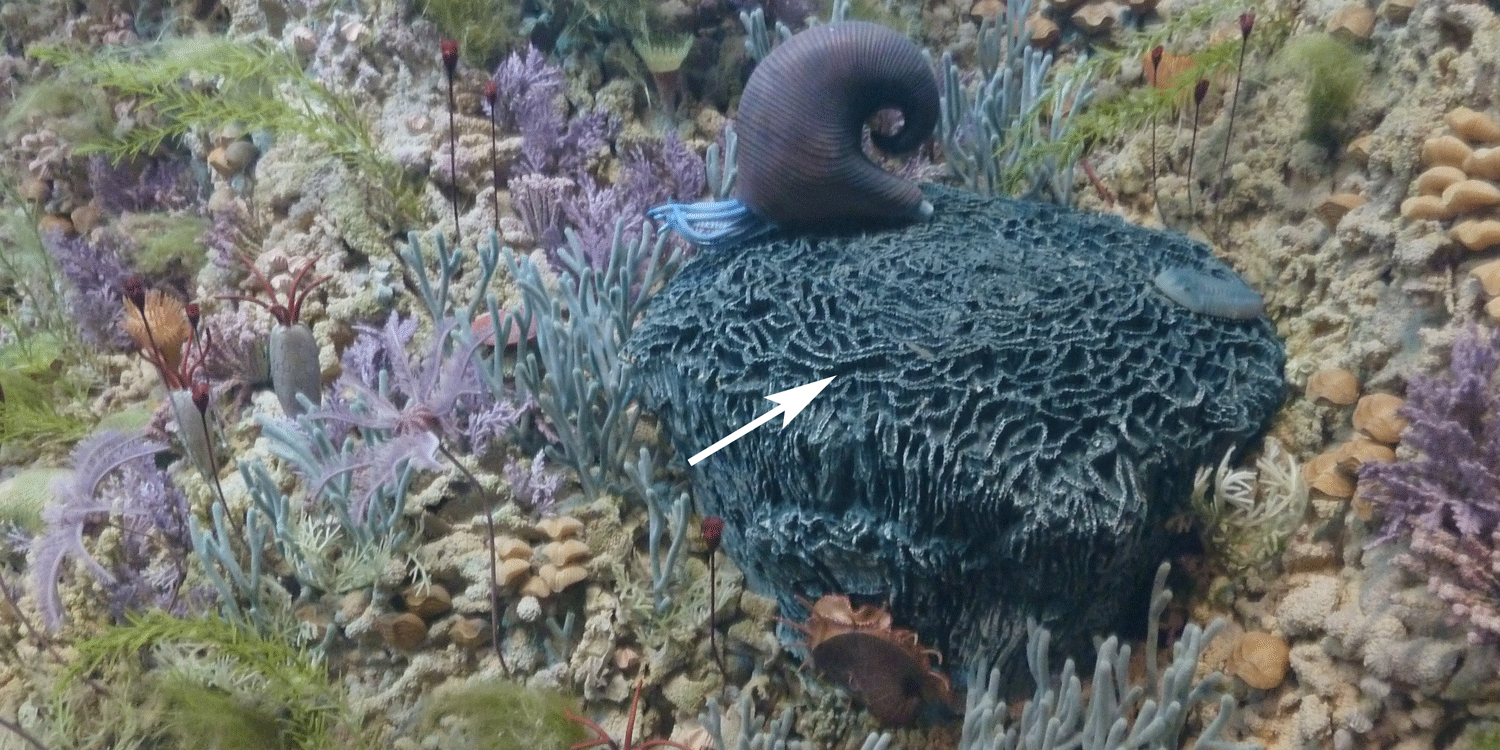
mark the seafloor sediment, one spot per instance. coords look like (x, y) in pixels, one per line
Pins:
(195, 567)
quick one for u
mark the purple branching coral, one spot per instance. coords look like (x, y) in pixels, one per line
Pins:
(539, 200)
(528, 86)
(150, 511)
(553, 186)
(96, 271)
(534, 487)
(228, 238)
(148, 185)
(650, 174)
(1445, 501)
(530, 101)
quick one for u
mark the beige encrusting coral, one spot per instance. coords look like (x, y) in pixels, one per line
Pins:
(1336, 385)
(1378, 415)
(1260, 659)
(1458, 183)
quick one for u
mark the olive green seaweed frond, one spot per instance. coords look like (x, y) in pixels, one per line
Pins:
(503, 715)
(184, 87)
(213, 683)
(480, 44)
(41, 398)
(1334, 74)
(1131, 110)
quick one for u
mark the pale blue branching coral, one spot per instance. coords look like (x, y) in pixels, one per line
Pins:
(575, 372)
(327, 548)
(1114, 713)
(655, 493)
(243, 587)
(1114, 710)
(572, 371)
(753, 735)
(1002, 134)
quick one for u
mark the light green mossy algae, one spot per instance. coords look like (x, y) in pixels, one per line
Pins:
(492, 714)
(197, 682)
(36, 309)
(1130, 111)
(165, 244)
(1334, 74)
(247, 82)
(129, 418)
(40, 405)
(1479, 735)
(25, 494)
(75, 113)
(252, 83)
(481, 45)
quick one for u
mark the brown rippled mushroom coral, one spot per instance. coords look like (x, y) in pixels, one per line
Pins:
(884, 666)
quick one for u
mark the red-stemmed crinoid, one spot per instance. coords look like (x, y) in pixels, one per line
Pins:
(167, 333)
(885, 666)
(291, 350)
(602, 738)
(286, 312)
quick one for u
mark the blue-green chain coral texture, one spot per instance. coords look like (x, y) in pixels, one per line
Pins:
(1020, 404)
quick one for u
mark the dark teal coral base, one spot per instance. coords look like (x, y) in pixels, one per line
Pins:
(1017, 411)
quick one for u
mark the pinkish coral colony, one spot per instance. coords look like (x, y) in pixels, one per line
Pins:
(270, 475)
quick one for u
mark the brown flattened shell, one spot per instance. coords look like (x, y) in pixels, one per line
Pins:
(1335, 385)
(402, 631)
(1378, 415)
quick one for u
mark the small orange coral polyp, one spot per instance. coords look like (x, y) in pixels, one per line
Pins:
(1164, 75)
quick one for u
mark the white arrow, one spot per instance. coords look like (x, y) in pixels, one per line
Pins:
(789, 402)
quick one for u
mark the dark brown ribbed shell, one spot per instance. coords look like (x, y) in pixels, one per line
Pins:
(800, 120)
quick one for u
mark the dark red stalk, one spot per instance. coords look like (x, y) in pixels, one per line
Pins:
(1156, 54)
(713, 532)
(200, 400)
(1104, 192)
(14, 727)
(449, 49)
(1199, 92)
(1247, 22)
(187, 368)
(489, 526)
(491, 93)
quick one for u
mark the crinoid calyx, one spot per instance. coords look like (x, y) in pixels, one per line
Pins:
(162, 326)
(886, 667)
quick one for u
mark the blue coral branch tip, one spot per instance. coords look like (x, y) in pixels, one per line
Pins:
(711, 223)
